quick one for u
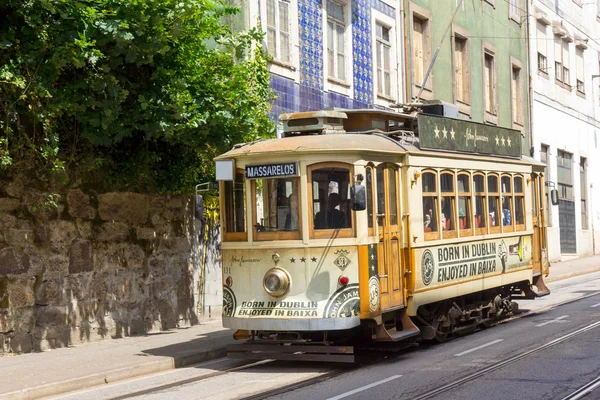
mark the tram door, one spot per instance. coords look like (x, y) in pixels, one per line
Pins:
(388, 223)
(540, 264)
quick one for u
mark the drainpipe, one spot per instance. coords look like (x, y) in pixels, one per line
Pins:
(403, 53)
(406, 69)
(593, 218)
(531, 72)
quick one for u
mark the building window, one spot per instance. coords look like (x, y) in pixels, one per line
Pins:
(542, 48)
(490, 84)
(583, 186)
(561, 60)
(383, 60)
(516, 89)
(462, 70)
(544, 151)
(564, 175)
(421, 51)
(336, 43)
(579, 70)
(278, 30)
(514, 11)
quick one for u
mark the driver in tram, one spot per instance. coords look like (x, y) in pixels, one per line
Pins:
(331, 218)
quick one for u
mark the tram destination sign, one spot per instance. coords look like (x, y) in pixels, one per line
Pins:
(271, 170)
(440, 133)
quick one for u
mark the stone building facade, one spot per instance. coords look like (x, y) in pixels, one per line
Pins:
(565, 76)
(98, 265)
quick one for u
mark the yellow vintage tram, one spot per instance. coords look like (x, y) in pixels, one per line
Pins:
(363, 225)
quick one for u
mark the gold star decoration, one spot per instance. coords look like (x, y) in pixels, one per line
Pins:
(437, 132)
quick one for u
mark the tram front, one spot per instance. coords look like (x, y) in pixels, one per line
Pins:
(300, 249)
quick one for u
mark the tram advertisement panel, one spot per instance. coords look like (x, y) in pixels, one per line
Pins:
(314, 283)
(439, 265)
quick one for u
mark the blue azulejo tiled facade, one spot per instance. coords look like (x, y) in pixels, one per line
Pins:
(309, 91)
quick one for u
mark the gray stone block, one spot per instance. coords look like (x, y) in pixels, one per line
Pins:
(123, 207)
(80, 257)
(13, 262)
(79, 205)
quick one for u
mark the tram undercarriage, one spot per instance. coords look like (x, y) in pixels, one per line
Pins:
(434, 322)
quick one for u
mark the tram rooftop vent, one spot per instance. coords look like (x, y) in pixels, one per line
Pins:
(325, 122)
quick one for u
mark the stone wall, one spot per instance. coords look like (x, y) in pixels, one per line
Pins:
(99, 265)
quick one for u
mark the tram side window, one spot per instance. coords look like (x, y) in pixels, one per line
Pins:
(277, 205)
(479, 192)
(235, 205)
(519, 201)
(430, 202)
(464, 202)
(370, 214)
(507, 213)
(331, 208)
(448, 202)
(493, 201)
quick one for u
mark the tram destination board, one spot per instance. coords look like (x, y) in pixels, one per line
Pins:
(438, 133)
(272, 170)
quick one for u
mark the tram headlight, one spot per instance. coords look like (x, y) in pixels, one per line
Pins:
(276, 282)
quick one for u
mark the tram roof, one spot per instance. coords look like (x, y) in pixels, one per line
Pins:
(321, 143)
(353, 142)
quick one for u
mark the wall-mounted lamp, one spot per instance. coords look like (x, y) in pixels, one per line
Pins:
(416, 175)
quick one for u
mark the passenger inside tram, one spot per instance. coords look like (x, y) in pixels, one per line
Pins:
(331, 217)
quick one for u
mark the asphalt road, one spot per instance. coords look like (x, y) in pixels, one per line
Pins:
(548, 354)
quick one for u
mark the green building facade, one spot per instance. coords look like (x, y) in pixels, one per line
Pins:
(482, 65)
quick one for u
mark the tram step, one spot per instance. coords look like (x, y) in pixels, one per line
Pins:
(278, 351)
(409, 329)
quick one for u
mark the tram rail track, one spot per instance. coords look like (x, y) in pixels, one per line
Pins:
(449, 386)
(584, 390)
(385, 354)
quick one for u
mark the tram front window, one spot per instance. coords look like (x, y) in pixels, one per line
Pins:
(277, 206)
(330, 205)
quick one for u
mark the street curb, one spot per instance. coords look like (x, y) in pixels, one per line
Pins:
(108, 377)
(573, 274)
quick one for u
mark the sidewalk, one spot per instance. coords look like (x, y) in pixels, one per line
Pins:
(35, 375)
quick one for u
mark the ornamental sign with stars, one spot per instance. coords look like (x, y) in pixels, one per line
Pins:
(441, 133)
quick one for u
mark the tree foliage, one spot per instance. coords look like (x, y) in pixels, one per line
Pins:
(146, 92)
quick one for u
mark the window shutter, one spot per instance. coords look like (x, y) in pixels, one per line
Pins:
(284, 31)
(541, 41)
(579, 59)
(271, 29)
(557, 50)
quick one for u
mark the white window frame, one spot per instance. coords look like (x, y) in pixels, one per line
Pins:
(488, 48)
(286, 69)
(518, 121)
(580, 64)
(331, 84)
(423, 14)
(464, 105)
(542, 41)
(382, 19)
(514, 11)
